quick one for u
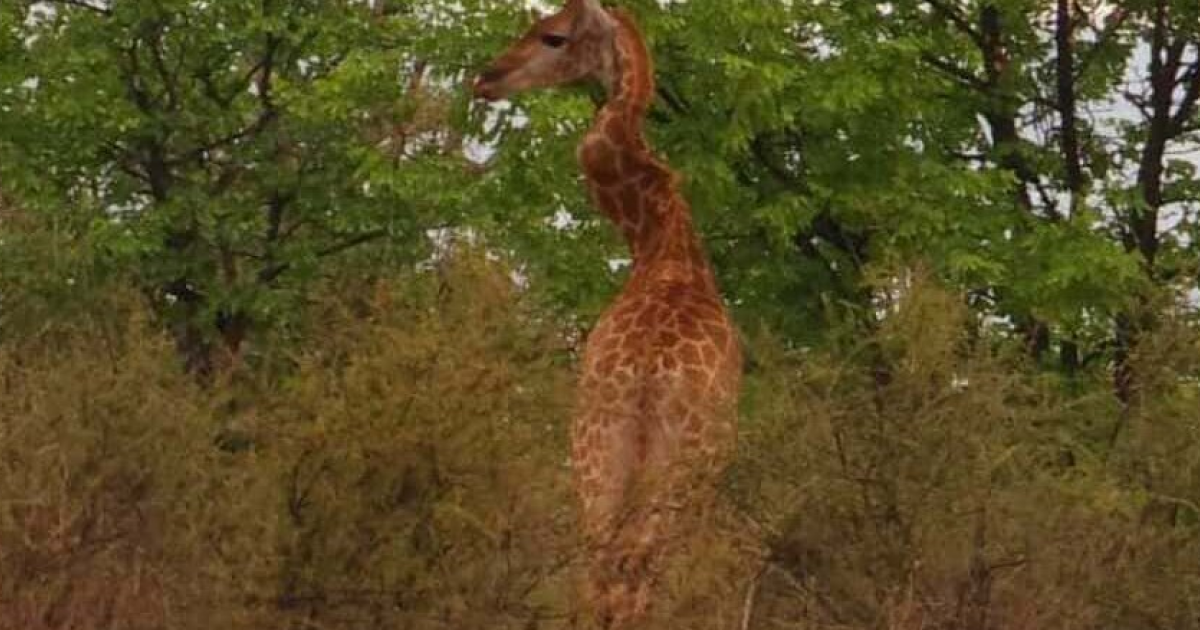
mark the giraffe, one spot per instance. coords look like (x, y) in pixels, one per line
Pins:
(657, 402)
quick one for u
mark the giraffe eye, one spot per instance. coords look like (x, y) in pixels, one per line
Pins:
(554, 41)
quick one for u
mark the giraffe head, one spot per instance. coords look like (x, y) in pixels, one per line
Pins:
(572, 45)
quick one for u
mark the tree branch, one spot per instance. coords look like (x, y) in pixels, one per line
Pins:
(262, 74)
(958, 19)
(1165, 58)
(1064, 37)
(169, 80)
(140, 97)
(272, 272)
(961, 75)
(673, 100)
(82, 4)
(1191, 95)
(1116, 21)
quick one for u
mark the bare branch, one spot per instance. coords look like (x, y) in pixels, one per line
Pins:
(751, 600)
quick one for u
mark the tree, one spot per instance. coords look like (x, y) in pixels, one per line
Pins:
(1091, 109)
(1035, 154)
(224, 153)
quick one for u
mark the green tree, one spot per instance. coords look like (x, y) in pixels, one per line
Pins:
(1036, 154)
(1090, 110)
(223, 152)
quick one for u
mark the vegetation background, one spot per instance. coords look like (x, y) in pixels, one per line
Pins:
(288, 325)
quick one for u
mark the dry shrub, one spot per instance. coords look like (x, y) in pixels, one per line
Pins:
(409, 470)
(114, 505)
(423, 452)
(1156, 459)
(919, 480)
(705, 586)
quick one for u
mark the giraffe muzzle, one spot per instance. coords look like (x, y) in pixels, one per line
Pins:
(488, 85)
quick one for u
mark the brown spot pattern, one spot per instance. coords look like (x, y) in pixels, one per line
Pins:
(661, 370)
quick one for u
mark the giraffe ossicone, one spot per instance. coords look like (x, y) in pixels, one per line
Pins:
(655, 419)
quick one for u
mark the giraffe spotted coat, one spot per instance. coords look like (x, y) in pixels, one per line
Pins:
(655, 417)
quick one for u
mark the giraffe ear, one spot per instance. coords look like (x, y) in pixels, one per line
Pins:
(590, 14)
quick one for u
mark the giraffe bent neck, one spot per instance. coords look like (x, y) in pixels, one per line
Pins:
(631, 83)
(636, 190)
